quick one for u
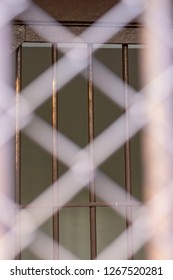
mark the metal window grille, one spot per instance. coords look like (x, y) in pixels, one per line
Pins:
(92, 204)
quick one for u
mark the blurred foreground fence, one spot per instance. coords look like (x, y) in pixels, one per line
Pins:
(147, 24)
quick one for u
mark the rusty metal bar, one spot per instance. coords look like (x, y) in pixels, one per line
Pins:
(54, 150)
(18, 139)
(67, 23)
(92, 196)
(89, 204)
(18, 136)
(127, 155)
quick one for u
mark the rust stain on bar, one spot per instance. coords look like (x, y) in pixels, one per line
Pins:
(54, 149)
(18, 141)
(92, 196)
(127, 155)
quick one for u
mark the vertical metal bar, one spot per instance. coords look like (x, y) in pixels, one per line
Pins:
(92, 196)
(54, 149)
(127, 153)
(18, 138)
